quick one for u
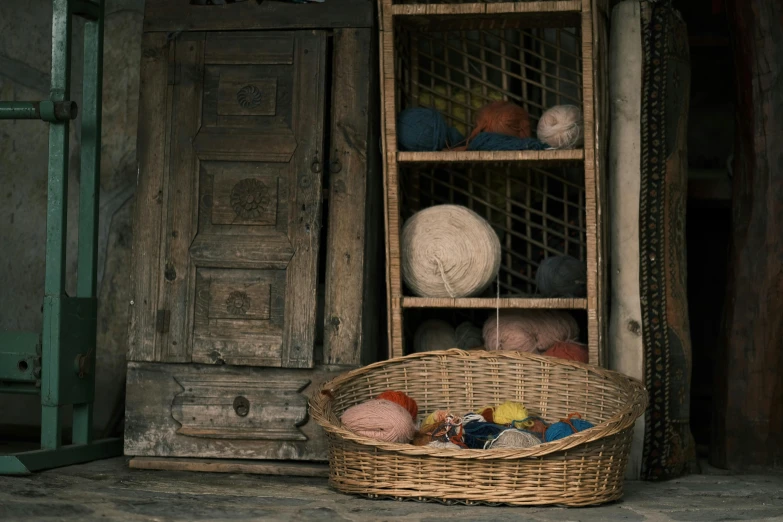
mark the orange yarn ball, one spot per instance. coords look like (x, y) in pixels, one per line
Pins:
(402, 399)
(502, 117)
(569, 350)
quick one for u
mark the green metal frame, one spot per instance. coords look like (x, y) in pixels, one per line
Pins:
(59, 363)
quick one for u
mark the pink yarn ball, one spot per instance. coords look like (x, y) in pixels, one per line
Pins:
(529, 330)
(381, 420)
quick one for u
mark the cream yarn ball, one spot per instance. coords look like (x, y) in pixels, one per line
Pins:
(561, 127)
(449, 251)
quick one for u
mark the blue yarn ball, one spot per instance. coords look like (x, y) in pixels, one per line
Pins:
(477, 434)
(454, 137)
(495, 141)
(421, 129)
(560, 430)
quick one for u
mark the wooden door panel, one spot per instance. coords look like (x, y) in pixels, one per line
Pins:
(260, 149)
(239, 317)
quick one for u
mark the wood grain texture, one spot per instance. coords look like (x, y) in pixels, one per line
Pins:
(249, 48)
(305, 211)
(350, 300)
(748, 416)
(247, 467)
(150, 208)
(179, 15)
(489, 302)
(151, 428)
(180, 230)
(591, 203)
(531, 157)
(601, 138)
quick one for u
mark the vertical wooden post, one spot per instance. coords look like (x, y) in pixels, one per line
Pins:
(748, 415)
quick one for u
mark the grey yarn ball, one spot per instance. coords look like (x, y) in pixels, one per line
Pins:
(469, 336)
(562, 276)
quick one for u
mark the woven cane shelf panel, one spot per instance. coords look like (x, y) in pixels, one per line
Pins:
(459, 71)
(532, 157)
(536, 213)
(463, 7)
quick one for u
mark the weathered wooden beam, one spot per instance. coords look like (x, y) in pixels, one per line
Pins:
(748, 414)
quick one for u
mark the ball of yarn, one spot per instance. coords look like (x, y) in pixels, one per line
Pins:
(495, 141)
(569, 351)
(380, 420)
(402, 399)
(433, 335)
(439, 426)
(561, 127)
(502, 117)
(443, 445)
(449, 251)
(562, 276)
(512, 414)
(514, 439)
(566, 427)
(529, 330)
(468, 336)
(421, 129)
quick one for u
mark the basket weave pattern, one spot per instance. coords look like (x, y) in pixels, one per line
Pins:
(585, 468)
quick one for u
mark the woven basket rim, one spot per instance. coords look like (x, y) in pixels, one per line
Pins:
(623, 419)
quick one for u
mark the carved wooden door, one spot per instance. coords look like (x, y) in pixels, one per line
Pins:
(239, 202)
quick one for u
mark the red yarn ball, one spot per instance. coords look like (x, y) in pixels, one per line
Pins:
(502, 117)
(568, 350)
(402, 399)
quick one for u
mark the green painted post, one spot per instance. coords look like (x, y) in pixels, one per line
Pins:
(56, 218)
(86, 285)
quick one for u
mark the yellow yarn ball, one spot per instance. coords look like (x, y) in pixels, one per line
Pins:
(459, 114)
(512, 413)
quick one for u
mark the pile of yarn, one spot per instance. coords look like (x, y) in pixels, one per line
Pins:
(436, 334)
(533, 331)
(562, 276)
(449, 251)
(440, 426)
(389, 417)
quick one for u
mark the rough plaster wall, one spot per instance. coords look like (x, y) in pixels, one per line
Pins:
(25, 61)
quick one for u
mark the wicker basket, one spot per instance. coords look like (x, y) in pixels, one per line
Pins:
(583, 469)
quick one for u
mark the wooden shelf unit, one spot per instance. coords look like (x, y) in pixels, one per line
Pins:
(418, 43)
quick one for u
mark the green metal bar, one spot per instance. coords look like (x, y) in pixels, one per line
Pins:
(51, 438)
(87, 271)
(46, 110)
(32, 461)
(56, 214)
(56, 219)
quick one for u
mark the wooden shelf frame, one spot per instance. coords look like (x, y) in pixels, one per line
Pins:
(590, 14)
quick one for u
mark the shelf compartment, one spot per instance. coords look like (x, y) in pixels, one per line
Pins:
(536, 212)
(492, 303)
(459, 70)
(531, 157)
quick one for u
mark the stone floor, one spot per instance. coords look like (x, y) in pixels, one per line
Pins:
(108, 490)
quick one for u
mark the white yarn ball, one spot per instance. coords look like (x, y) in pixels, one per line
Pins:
(433, 335)
(449, 251)
(561, 127)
